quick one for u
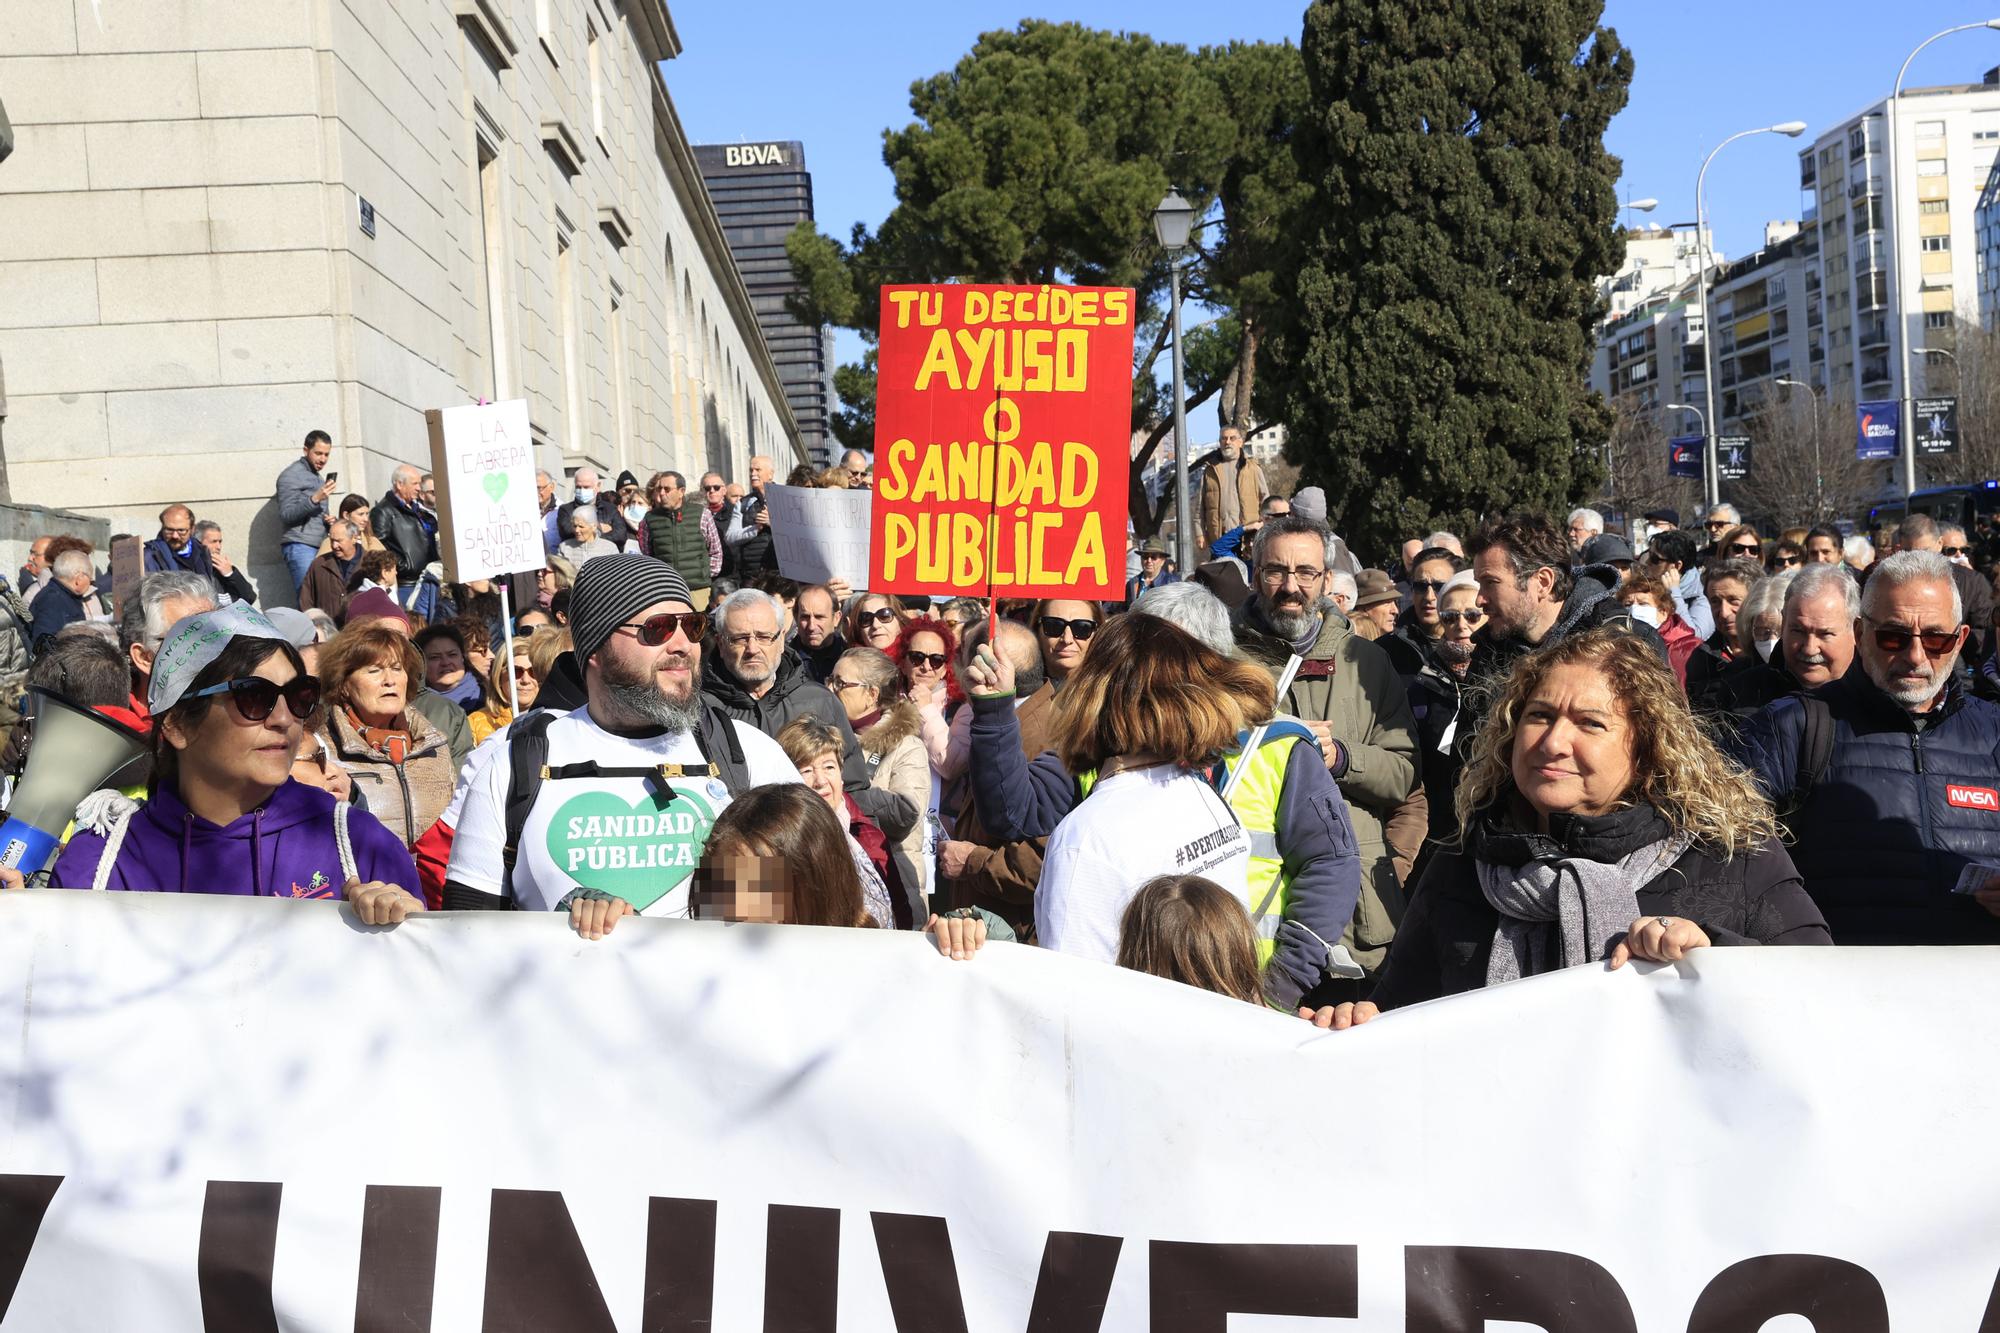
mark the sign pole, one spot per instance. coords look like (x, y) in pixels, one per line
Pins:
(507, 631)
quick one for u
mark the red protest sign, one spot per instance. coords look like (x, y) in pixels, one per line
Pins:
(1003, 425)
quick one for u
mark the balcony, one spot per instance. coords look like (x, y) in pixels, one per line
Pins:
(1872, 185)
(1874, 333)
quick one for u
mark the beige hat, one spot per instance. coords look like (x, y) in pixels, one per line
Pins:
(1372, 587)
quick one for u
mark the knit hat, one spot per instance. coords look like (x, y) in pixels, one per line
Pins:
(1310, 503)
(611, 589)
(626, 479)
(374, 604)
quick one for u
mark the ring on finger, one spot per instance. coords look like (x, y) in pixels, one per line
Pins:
(1665, 921)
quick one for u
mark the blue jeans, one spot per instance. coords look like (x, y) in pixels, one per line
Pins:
(299, 558)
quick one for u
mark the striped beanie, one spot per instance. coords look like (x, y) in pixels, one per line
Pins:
(611, 589)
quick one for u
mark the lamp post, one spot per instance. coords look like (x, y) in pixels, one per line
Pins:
(1173, 220)
(1711, 483)
(1819, 479)
(1905, 416)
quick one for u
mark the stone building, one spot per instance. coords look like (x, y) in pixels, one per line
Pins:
(228, 222)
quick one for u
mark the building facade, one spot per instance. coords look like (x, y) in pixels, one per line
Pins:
(1881, 271)
(761, 191)
(228, 222)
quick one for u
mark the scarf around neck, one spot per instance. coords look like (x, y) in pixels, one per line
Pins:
(1590, 902)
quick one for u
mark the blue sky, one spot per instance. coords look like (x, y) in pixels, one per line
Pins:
(834, 76)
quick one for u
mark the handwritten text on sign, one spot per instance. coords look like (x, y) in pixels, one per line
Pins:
(489, 518)
(1002, 440)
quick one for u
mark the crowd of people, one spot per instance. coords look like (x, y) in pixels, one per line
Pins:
(1283, 776)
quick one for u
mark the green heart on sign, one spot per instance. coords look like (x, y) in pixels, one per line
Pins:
(495, 484)
(641, 851)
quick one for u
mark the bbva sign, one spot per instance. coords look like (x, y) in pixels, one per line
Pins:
(754, 155)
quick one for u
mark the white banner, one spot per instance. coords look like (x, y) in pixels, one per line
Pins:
(820, 534)
(489, 519)
(220, 1108)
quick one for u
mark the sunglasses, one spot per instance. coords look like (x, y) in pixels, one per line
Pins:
(1453, 617)
(837, 685)
(935, 661)
(1716, 524)
(1936, 642)
(656, 630)
(1432, 586)
(317, 758)
(1052, 627)
(1745, 548)
(1957, 550)
(1788, 560)
(256, 697)
(881, 615)
(711, 488)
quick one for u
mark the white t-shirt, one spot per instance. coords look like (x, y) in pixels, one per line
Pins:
(624, 835)
(1133, 825)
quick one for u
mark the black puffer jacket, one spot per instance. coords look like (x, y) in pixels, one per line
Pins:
(1446, 937)
(1898, 814)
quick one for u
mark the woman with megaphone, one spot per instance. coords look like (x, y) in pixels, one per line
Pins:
(231, 701)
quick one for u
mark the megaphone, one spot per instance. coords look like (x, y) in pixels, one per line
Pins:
(74, 751)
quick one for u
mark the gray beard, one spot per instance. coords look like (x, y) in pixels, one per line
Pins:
(641, 698)
(1292, 625)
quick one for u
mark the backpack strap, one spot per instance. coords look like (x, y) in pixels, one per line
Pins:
(726, 761)
(1815, 752)
(527, 765)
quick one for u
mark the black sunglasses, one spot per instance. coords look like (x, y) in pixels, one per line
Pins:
(1746, 548)
(1937, 642)
(1053, 626)
(656, 630)
(1957, 550)
(711, 488)
(881, 614)
(1788, 560)
(256, 697)
(935, 661)
(1432, 586)
(1453, 617)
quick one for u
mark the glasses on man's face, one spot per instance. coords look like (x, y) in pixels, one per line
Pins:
(1052, 627)
(256, 698)
(1896, 639)
(935, 661)
(1745, 548)
(1431, 586)
(656, 630)
(1951, 551)
(1471, 616)
(1716, 524)
(1787, 561)
(1275, 575)
(758, 637)
(711, 489)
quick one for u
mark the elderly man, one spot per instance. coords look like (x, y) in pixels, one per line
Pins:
(542, 790)
(1584, 524)
(1887, 777)
(747, 541)
(327, 579)
(855, 464)
(36, 565)
(1815, 645)
(1720, 519)
(1921, 532)
(161, 601)
(409, 532)
(1348, 695)
(545, 499)
(62, 601)
(590, 494)
(230, 584)
(1232, 488)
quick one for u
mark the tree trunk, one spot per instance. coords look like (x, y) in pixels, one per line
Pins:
(1244, 377)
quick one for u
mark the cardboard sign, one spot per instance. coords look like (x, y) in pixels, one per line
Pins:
(820, 534)
(1003, 424)
(489, 521)
(128, 567)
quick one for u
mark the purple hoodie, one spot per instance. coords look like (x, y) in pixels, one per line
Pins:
(283, 849)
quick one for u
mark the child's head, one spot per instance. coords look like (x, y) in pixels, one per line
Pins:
(776, 854)
(1192, 930)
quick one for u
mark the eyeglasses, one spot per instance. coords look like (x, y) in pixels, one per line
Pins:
(1957, 550)
(317, 758)
(938, 661)
(1453, 617)
(707, 487)
(1936, 642)
(256, 697)
(1716, 524)
(1277, 574)
(1431, 586)
(1745, 548)
(837, 685)
(881, 615)
(656, 630)
(748, 637)
(1789, 560)
(1052, 627)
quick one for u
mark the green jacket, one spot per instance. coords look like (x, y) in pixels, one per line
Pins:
(676, 538)
(1352, 684)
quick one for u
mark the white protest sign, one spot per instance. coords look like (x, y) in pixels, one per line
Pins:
(820, 534)
(489, 521)
(256, 1110)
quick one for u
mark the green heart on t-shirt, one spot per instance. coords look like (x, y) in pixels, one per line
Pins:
(639, 851)
(495, 484)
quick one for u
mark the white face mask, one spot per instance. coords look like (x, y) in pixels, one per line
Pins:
(1765, 647)
(1645, 613)
(634, 512)
(584, 495)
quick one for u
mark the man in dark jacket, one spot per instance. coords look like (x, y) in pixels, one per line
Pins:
(817, 640)
(748, 540)
(1816, 645)
(611, 524)
(1920, 532)
(228, 578)
(409, 532)
(303, 490)
(176, 548)
(328, 577)
(678, 530)
(62, 601)
(1899, 829)
(1531, 598)
(754, 678)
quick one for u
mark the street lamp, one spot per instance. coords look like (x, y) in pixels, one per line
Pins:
(1819, 481)
(1711, 483)
(1173, 220)
(1905, 417)
(1707, 462)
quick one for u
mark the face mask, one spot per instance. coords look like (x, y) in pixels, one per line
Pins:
(1645, 613)
(634, 512)
(585, 496)
(1765, 647)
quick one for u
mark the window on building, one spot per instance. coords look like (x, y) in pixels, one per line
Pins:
(1930, 129)
(1937, 243)
(493, 262)
(1937, 319)
(1934, 206)
(1931, 167)
(1985, 126)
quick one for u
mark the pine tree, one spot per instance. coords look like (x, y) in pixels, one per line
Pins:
(1432, 359)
